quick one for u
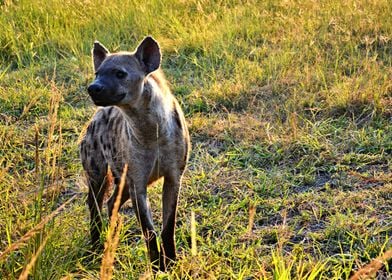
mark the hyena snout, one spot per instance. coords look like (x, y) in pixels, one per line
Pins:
(102, 96)
(94, 89)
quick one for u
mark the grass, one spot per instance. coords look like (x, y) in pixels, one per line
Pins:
(289, 109)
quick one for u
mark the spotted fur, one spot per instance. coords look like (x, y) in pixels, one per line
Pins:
(140, 124)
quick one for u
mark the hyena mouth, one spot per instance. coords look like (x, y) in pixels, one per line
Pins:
(108, 101)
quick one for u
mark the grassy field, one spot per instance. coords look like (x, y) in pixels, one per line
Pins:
(289, 105)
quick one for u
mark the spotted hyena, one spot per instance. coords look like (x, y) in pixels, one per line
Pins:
(140, 124)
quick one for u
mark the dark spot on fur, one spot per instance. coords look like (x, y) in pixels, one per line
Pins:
(117, 122)
(110, 125)
(177, 118)
(115, 125)
(114, 150)
(104, 118)
(91, 128)
(101, 139)
(110, 111)
(104, 147)
(95, 145)
(94, 166)
(83, 151)
(82, 148)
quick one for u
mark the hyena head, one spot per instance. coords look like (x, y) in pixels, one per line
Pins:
(120, 76)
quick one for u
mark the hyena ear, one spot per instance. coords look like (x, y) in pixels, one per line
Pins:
(99, 54)
(149, 54)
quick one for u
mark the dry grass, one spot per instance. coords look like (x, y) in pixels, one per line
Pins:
(369, 271)
(289, 108)
(113, 233)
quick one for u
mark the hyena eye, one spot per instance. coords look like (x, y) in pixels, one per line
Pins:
(121, 74)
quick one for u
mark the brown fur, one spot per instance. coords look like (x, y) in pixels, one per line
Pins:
(142, 125)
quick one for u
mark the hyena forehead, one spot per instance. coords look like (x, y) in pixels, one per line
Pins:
(122, 61)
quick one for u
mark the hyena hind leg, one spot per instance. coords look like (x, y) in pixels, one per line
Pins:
(96, 194)
(98, 184)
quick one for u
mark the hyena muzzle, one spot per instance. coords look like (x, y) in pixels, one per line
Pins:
(141, 124)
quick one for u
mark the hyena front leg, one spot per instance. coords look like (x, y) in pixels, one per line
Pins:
(143, 214)
(171, 187)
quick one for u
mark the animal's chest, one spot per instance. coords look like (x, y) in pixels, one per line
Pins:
(124, 145)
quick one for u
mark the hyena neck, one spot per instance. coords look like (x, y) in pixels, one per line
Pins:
(153, 111)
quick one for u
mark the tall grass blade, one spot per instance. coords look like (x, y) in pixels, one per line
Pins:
(106, 271)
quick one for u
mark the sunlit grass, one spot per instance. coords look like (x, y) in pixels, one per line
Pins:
(289, 108)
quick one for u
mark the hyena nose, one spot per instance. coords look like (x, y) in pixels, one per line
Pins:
(94, 89)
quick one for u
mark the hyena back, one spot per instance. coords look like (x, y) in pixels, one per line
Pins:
(141, 124)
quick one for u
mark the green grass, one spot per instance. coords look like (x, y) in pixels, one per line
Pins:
(289, 107)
